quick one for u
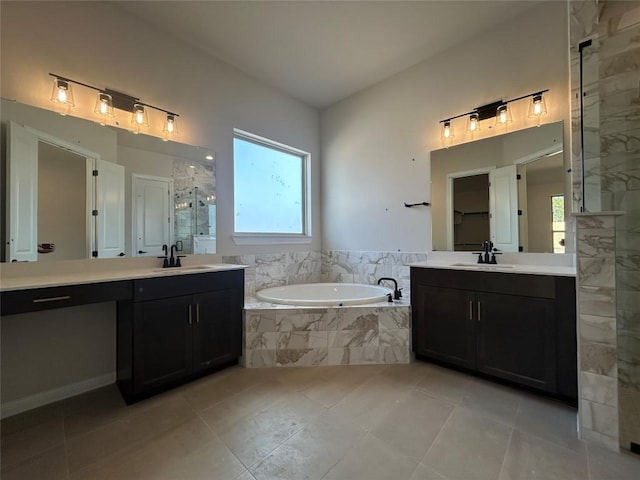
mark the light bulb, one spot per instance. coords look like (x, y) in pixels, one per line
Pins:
(537, 108)
(62, 95)
(474, 125)
(447, 130)
(104, 107)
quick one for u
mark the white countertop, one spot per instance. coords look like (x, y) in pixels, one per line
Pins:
(555, 270)
(555, 264)
(59, 279)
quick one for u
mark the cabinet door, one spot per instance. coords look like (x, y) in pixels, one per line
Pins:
(516, 339)
(162, 342)
(444, 325)
(217, 332)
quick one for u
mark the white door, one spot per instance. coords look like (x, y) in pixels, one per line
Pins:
(22, 211)
(109, 241)
(152, 219)
(503, 208)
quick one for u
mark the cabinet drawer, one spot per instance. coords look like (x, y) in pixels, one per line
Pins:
(38, 299)
(541, 286)
(189, 284)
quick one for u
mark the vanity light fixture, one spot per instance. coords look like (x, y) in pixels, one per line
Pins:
(538, 106)
(139, 116)
(104, 107)
(108, 100)
(499, 109)
(473, 124)
(447, 131)
(62, 93)
(170, 129)
(503, 115)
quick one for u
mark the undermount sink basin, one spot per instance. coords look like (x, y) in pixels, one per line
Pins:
(482, 266)
(187, 268)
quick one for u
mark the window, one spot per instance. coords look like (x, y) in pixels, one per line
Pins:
(270, 191)
(557, 223)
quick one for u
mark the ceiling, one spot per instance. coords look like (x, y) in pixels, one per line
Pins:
(323, 51)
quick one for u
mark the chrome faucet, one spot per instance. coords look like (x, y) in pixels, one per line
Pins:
(397, 293)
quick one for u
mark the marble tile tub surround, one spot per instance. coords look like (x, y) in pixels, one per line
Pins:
(352, 266)
(340, 266)
(274, 269)
(289, 336)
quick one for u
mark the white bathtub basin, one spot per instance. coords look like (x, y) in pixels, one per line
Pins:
(324, 294)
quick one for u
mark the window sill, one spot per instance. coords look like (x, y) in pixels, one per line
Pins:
(266, 239)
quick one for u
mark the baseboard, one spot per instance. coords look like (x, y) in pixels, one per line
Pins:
(43, 398)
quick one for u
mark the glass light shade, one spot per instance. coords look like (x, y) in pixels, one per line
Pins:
(139, 116)
(538, 106)
(473, 124)
(170, 129)
(104, 106)
(503, 116)
(447, 130)
(62, 92)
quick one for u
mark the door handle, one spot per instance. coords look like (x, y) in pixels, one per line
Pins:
(197, 313)
(479, 311)
(190, 314)
(141, 251)
(470, 309)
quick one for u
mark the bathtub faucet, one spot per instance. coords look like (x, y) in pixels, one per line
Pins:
(397, 293)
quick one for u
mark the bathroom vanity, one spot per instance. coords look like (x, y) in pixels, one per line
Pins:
(173, 325)
(501, 323)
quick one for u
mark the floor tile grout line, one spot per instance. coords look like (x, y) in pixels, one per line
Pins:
(586, 447)
(436, 439)
(136, 444)
(64, 440)
(506, 452)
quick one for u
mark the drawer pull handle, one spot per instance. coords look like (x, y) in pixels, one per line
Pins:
(197, 313)
(470, 309)
(479, 310)
(51, 299)
(190, 315)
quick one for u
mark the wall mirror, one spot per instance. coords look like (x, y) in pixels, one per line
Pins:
(509, 188)
(146, 192)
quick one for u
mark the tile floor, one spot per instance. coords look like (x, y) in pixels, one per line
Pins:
(413, 422)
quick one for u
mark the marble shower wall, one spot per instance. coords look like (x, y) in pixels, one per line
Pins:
(597, 336)
(194, 188)
(611, 77)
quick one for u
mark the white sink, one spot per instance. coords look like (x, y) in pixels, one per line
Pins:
(482, 266)
(186, 268)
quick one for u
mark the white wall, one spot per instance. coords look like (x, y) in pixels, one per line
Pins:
(100, 44)
(376, 143)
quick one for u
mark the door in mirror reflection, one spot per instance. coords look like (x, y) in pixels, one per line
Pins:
(64, 202)
(152, 214)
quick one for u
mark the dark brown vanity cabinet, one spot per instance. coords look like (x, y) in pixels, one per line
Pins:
(177, 328)
(516, 327)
